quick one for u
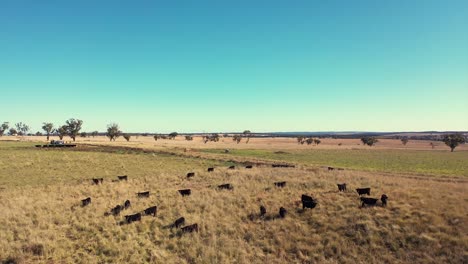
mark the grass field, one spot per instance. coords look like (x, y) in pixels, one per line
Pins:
(383, 160)
(42, 222)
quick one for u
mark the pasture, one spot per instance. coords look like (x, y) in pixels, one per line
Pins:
(42, 221)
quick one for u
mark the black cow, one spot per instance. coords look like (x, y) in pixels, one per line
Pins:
(143, 194)
(210, 169)
(368, 201)
(133, 218)
(151, 210)
(330, 168)
(86, 201)
(341, 187)
(282, 212)
(232, 167)
(98, 180)
(262, 210)
(384, 198)
(116, 210)
(123, 178)
(190, 228)
(127, 204)
(226, 186)
(248, 166)
(308, 202)
(362, 191)
(179, 222)
(190, 174)
(280, 184)
(185, 192)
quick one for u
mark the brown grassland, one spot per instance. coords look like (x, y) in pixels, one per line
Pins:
(42, 220)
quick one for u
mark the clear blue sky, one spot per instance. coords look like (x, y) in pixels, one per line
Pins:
(189, 66)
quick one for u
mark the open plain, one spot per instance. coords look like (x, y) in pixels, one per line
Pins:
(43, 221)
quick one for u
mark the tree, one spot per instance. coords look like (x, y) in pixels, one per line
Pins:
(212, 137)
(62, 131)
(113, 131)
(38, 133)
(48, 128)
(127, 137)
(453, 140)
(237, 138)
(309, 141)
(21, 128)
(317, 141)
(4, 127)
(370, 141)
(188, 138)
(404, 140)
(247, 134)
(173, 135)
(94, 133)
(301, 140)
(12, 132)
(83, 134)
(156, 137)
(432, 145)
(73, 127)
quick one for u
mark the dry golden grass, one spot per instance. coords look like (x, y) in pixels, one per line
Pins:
(42, 222)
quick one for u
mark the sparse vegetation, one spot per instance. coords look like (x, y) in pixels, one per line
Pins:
(188, 138)
(21, 129)
(113, 131)
(127, 137)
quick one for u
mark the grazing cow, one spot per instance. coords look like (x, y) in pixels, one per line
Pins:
(190, 228)
(143, 194)
(210, 169)
(179, 222)
(248, 166)
(280, 184)
(282, 212)
(133, 218)
(86, 201)
(341, 187)
(362, 191)
(330, 168)
(232, 167)
(190, 174)
(116, 210)
(308, 202)
(384, 198)
(185, 192)
(123, 178)
(226, 186)
(262, 210)
(151, 210)
(98, 180)
(127, 204)
(368, 201)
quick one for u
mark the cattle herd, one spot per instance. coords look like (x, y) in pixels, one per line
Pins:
(307, 201)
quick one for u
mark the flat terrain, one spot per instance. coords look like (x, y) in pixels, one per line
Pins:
(42, 220)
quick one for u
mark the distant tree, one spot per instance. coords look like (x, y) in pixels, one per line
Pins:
(404, 140)
(12, 132)
(212, 137)
(432, 145)
(4, 127)
(94, 133)
(317, 141)
(113, 131)
(237, 138)
(301, 140)
(62, 131)
(453, 140)
(370, 141)
(156, 137)
(83, 134)
(145, 134)
(309, 141)
(225, 135)
(38, 133)
(247, 134)
(127, 137)
(188, 138)
(173, 135)
(73, 127)
(48, 128)
(21, 128)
